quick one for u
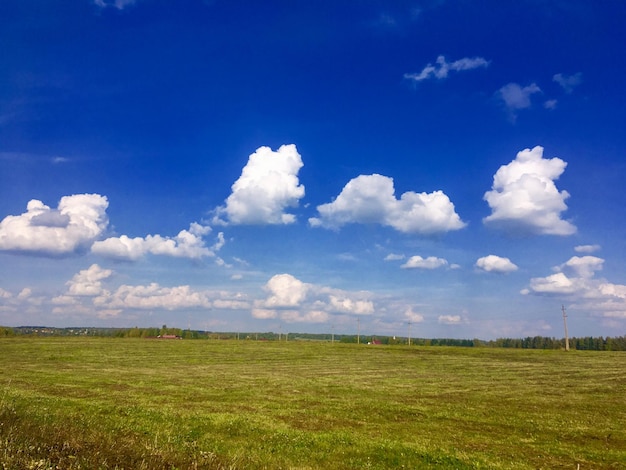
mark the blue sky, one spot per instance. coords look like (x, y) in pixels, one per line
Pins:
(313, 166)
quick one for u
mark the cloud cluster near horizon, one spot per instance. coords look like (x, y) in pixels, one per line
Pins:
(287, 298)
(87, 294)
(576, 279)
(523, 199)
(292, 300)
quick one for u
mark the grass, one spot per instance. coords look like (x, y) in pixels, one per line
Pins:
(102, 403)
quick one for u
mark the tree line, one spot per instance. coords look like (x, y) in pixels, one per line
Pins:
(587, 343)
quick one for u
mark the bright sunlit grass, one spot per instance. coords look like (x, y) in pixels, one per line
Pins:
(107, 403)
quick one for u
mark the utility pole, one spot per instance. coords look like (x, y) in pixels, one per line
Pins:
(358, 331)
(332, 336)
(565, 324)
(409, 333)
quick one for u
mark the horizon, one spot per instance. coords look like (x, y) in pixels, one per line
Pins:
(236, 166)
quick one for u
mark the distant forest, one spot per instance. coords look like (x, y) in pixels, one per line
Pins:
(588, 343)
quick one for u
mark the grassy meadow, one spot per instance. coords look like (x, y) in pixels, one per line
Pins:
(105, 403)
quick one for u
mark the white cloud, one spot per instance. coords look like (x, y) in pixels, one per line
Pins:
(268, 185)
(187, 244)
(394, 257)
(516, 97)
(295, 300)
(557, 283)
(495, 264)
(86, 295)
(572, 277)
(263, 313)
(371, 199)
(450, 319)
(524, 197)
(88, 282)
(25, 293)
(119, 4)
(568, 82)
(442, 68)
(412, 316)
(314, 316)
(584, 266)
(78, 220)
(285, 291)
(346, 304)
(587, 248)
(576, 280)
(550, 104)
(431, 262)
(153, 296)
(231, 304)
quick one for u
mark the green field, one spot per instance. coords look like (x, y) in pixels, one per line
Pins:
(137, 403)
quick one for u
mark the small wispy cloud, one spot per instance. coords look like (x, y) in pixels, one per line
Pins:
(119, 4)
(516, 97)
(450, 319)
(568, 82)
(550, 104)
(587, 248)
(442, 68)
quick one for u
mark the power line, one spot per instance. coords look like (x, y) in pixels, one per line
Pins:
(565, 324)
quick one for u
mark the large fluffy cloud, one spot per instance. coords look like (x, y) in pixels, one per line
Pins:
(524, 197)
(371, 199)
(187, 244)
(285, 291)
(268, 185)
(495, 264)
(73, 225)
(442, 67)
